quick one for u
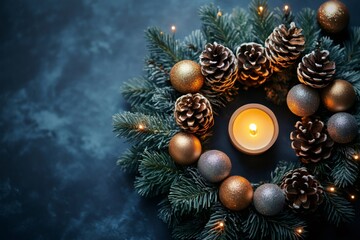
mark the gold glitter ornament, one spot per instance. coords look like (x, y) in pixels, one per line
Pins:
(236, 193)
(333, 16)
(339, 96)
(184, 148)
(186, 77)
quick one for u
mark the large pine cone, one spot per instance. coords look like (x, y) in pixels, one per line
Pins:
(284, 46)
(193, 113)
(219, 66)
(316, 70)
(311, 141)
(303, 192)
(253, 66)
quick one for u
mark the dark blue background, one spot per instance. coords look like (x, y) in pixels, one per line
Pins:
(61, 66)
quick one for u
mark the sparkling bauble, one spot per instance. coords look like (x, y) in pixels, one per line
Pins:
(214, 165)
(184, 148)
(333, 16)
(269, 199)
(236, 193)
(186, 77)
(339, 96)
(303, 100)
(342, 127)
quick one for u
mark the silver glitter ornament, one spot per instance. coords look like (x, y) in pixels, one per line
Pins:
(342, 127)
(269, 199)
(214, 165)
(303, 100)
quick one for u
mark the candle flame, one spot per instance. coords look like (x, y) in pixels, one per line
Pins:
(253, 129)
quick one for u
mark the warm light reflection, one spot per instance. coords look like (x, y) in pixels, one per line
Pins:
(253, 129)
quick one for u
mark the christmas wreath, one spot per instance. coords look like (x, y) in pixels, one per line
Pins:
(296, 62)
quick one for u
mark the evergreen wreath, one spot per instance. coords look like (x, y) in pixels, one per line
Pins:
(320, 184)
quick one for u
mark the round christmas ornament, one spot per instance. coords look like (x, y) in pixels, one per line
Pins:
(333, 16)
(342, 127)
(184, 148)
(214, 165)
(193, 113)
(303, 192)
(269, 199)
(303, 100)
(339, 96)
(186, 77)
(219, 66)
(236, 193)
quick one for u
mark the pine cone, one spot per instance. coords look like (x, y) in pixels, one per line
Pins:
(219, 66)
(193, 113)
(315, 69)
(254, 68)
(311, 141)
(303, 192)
(284, 46)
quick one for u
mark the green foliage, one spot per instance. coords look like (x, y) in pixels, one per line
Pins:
(306, 20)
(336, 54)
(190, 227)
(222, 225)
(337, 209)
(163, 48)
(130, 160)
(263, 20)
(154, 130)
(345, 170)
(280, 171)
(194, 43)
(191, 193)
(242, 25)
(218, 27)
(352, 50)
(280, 227)
(157, 173)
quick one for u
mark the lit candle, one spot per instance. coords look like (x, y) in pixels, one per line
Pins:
(253, 128)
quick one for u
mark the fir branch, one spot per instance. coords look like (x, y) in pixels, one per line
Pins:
(241, 23)
(191, 193)
(345, 171)
(223, 224)
(352, 50)
(163, 47)
(194, 43)
(218, 27)
(282, 226)
(154, 131)
(130, 160)
(283, 17)
(157, 173)
(337, 209)
(157, 74)
(189, 228)
(279, 172)
(166, 214)
(262, 19)
(310, 28)
(137, 91)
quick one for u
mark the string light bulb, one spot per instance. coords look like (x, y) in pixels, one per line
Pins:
(356, 156)
(332, 189)
(219, 14)
(352, 197)
(220, 226)
(299, 230)
(261, 9)
(141, 127)
(286, 8)
(173, 28)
